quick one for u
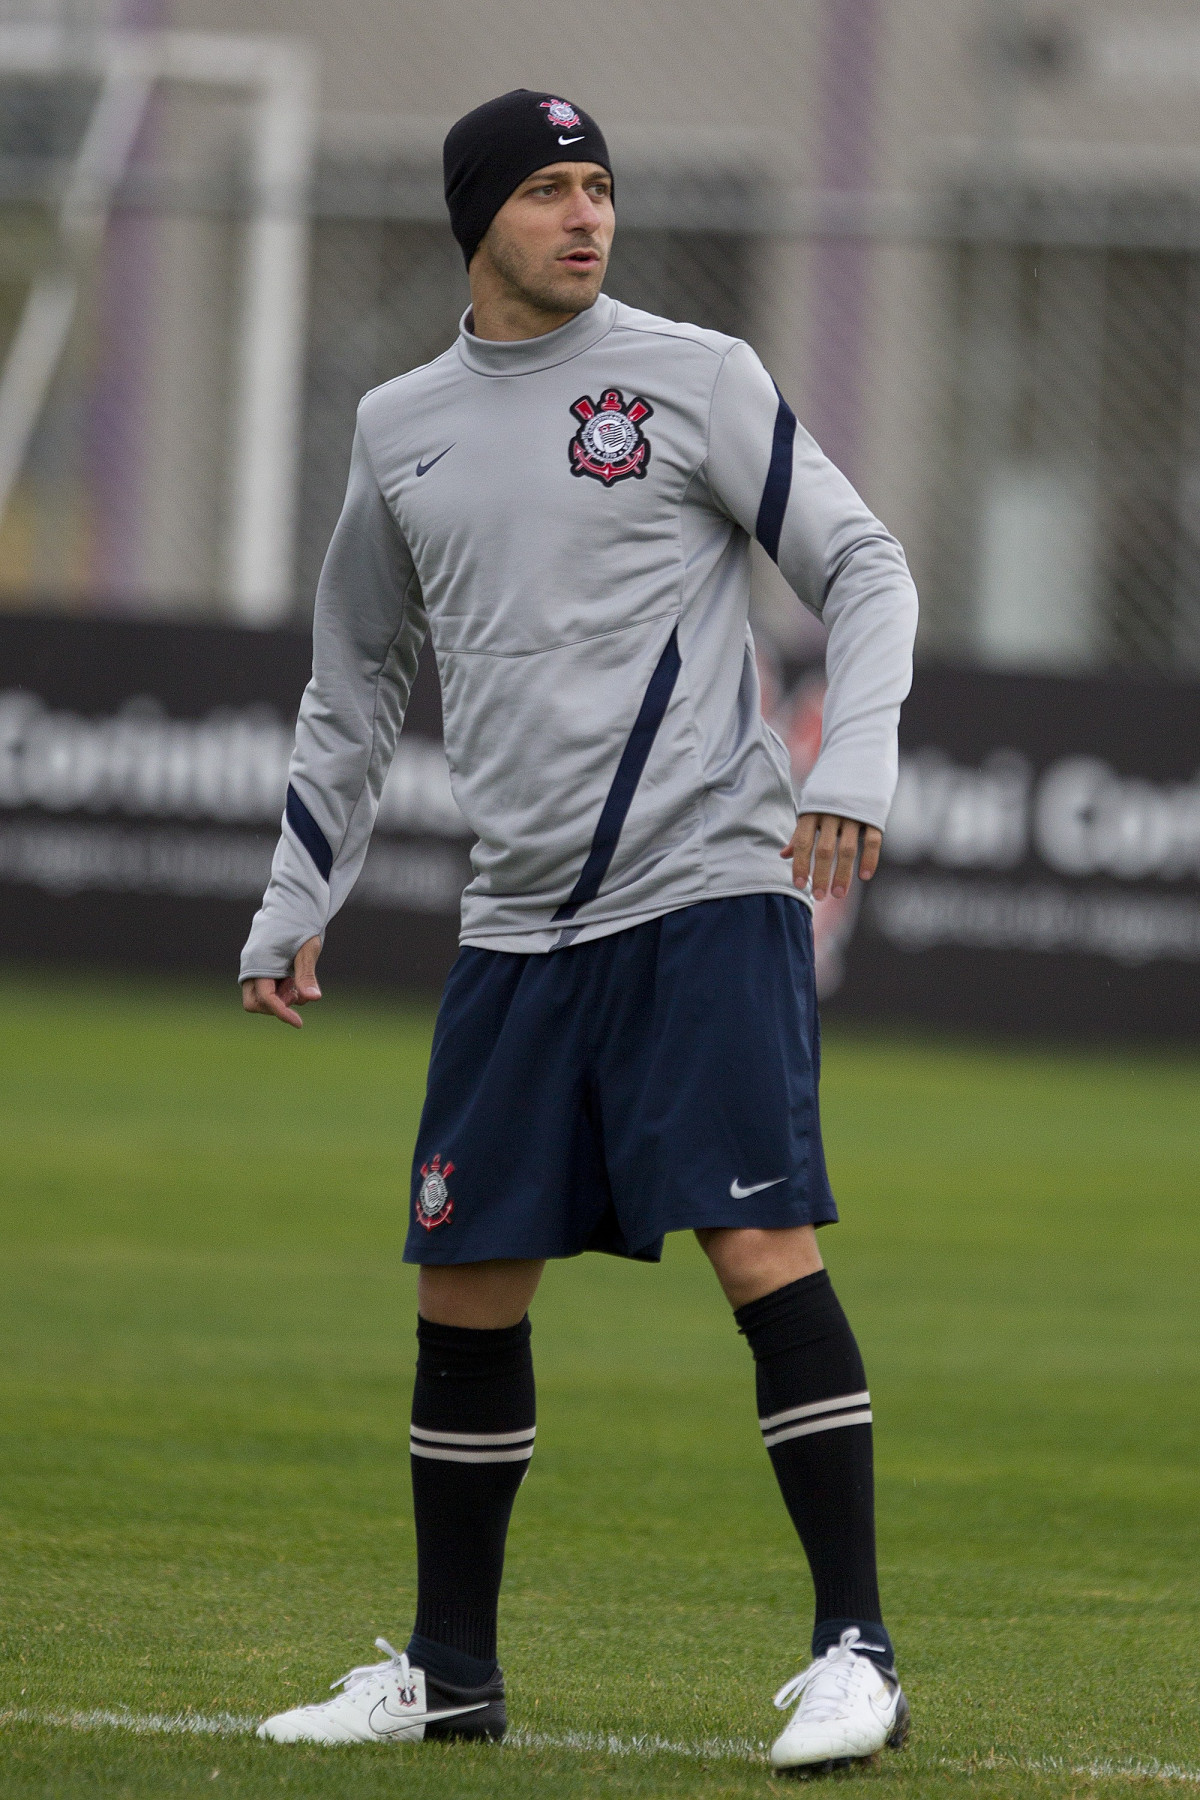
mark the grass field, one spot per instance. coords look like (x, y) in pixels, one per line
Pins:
(205, 1356)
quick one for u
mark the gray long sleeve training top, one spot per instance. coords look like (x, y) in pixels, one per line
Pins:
(569, 517)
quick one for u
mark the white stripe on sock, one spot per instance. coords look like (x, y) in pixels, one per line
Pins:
(472, 1437)
(795, 1431)
(818, 1406)
(470, 1456)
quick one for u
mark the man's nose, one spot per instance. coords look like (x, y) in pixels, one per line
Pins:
(583, 213)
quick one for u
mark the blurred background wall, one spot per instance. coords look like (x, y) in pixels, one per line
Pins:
(964, 234)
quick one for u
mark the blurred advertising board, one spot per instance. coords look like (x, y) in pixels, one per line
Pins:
(1041, 868)
(142, 776)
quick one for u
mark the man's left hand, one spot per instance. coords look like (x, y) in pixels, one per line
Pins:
(826, 845)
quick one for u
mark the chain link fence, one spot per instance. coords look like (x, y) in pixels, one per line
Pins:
(964, 235)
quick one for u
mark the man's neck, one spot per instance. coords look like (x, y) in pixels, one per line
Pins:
(507, 318)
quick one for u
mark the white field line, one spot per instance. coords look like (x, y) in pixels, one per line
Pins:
(707, 1749)
(604, 1743)
(1106, 1769)
(236, 1725)
(145, 1724)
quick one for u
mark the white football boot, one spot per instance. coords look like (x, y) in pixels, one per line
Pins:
(848, 1710)
(391, 1702)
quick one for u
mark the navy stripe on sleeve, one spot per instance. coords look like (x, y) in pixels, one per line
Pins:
(778, 485)
(309, 832)
(624, 782)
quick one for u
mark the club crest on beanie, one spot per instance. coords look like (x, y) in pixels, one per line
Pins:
(491, 151)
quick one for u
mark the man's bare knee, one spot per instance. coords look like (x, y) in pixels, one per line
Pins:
(483, 1296)
(750, 1262)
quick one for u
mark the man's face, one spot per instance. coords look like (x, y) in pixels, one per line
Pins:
(551, 238)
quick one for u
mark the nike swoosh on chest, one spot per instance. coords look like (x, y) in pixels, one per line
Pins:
(423, 468)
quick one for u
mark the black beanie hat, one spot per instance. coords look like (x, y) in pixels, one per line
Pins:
(492, 150)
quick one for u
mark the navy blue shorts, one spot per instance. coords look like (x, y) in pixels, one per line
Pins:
(596, 1097)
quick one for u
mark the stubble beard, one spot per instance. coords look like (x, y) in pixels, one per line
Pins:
(548, 289)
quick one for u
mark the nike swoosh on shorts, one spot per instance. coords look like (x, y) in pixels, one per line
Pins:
(424, 468)
(743, 1193)
(398, 1722)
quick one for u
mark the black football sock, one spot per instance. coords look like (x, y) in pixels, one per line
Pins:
(472, 1438)
(815, 1415)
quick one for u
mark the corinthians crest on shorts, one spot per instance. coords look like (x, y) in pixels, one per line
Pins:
(609, 445)
(434, 1204)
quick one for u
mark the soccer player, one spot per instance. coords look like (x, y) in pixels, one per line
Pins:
(627, 1044)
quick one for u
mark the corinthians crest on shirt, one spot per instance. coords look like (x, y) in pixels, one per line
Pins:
(610, 445)
(434, 1204)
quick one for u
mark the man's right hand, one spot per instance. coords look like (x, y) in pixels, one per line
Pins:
(265, 994)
